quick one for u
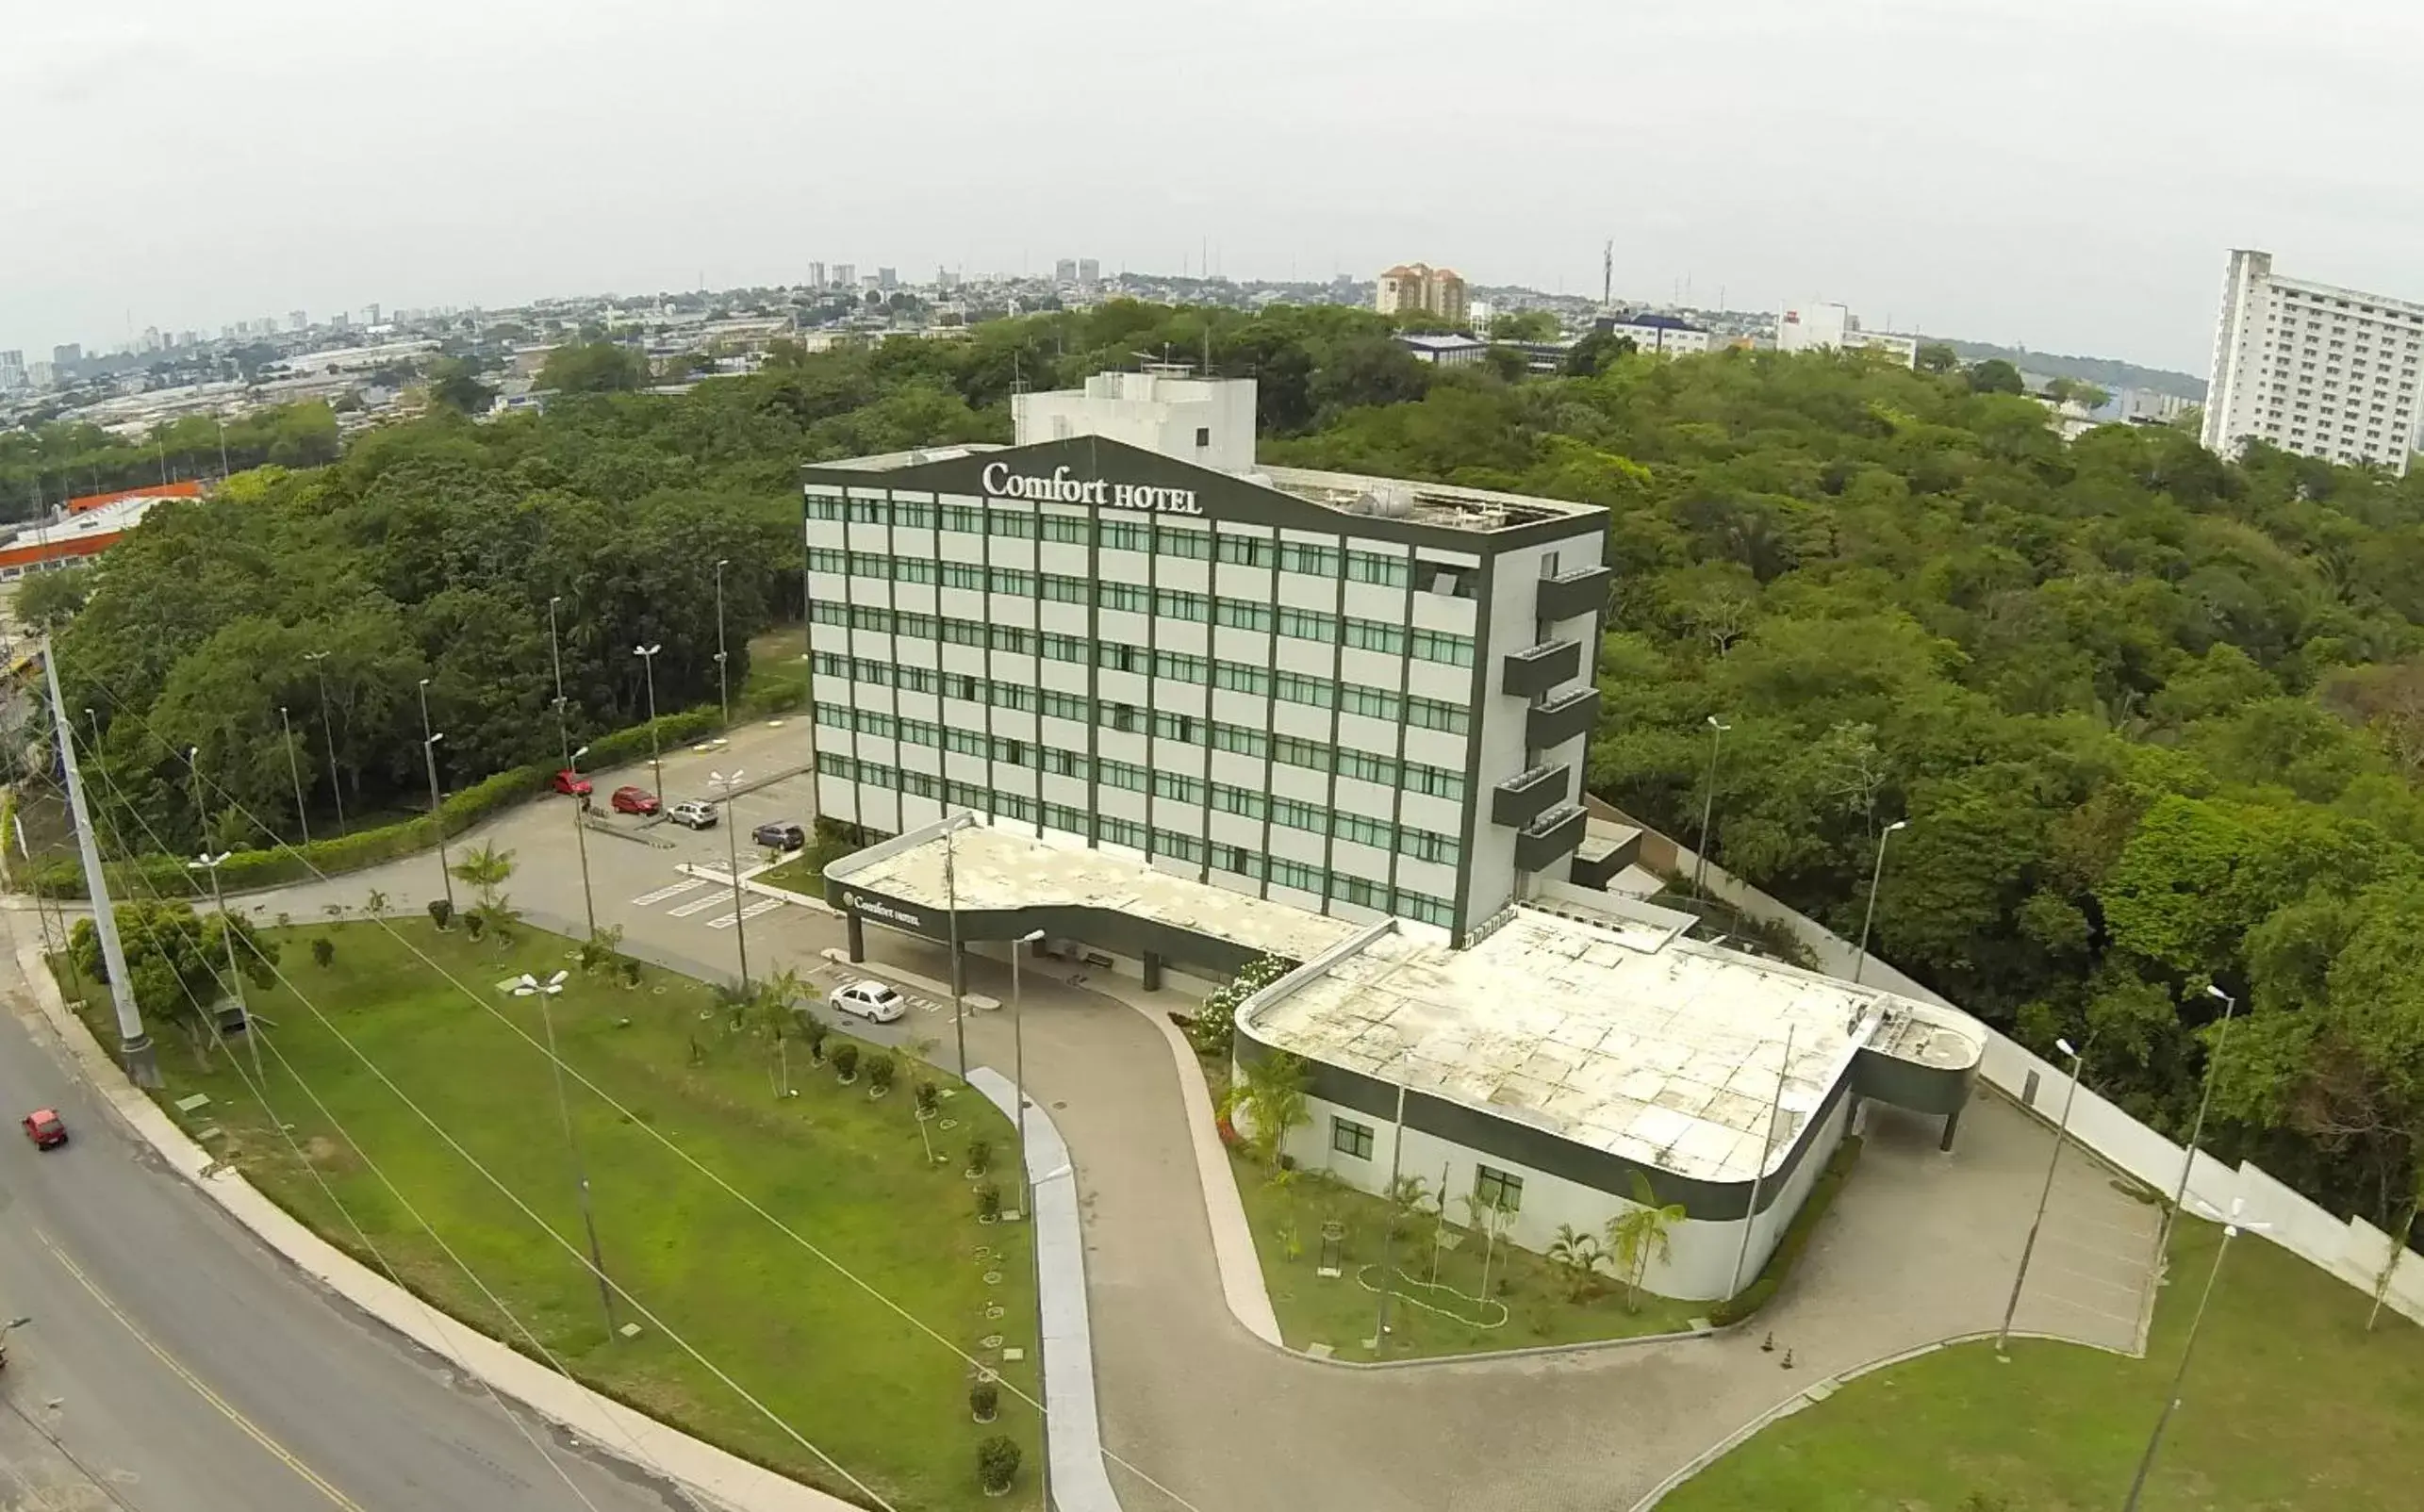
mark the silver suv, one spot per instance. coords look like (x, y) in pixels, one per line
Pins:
(692, 814)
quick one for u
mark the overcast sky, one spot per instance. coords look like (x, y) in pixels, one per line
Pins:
(2067, 174)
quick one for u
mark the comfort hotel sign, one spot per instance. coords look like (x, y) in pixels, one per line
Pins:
(1061, 487)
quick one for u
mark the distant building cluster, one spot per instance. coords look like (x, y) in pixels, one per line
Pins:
(1825, 327)
(2314, 368)
(1418, 289)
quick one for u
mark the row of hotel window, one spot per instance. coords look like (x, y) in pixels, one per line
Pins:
(1502, 1190)
(1421, 844)
(1058, 586)
(1304, 624)
(1291, 687)
(1225, 543)
(1362, 891)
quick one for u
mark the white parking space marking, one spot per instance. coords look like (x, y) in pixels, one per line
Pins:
(762, 906)
(701, 905)
(649, 899)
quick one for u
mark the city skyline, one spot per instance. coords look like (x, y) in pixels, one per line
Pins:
(1906, 146)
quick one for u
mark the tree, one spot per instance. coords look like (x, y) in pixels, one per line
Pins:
(1935, 357)
(1523, 325)
(1270, 1090)
(1639, 1233)
(1590, 356)
(454, 384)
(593, 367)
(1576, 1256)
(1995, 376)
(176, 960)
(50, 600)
(488, 869)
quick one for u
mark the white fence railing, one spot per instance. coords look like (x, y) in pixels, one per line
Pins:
(2352, 1250)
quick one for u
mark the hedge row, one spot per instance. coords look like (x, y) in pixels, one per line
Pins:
(167, 876)
(1787, 1252)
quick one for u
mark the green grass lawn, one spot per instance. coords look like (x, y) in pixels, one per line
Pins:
(2289, 1403)
(850, 1174)
(1534, 1305)
(775, 668)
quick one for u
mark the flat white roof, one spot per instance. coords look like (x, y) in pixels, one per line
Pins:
(999, 869)
(1617, 1036)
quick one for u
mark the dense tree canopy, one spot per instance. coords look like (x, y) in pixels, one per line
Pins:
(2156, 719)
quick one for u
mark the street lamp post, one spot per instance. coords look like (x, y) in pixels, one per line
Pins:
(555, 658)
(2061, 1134)
(1018, 1058)
(437, 822)
(1766, 1150)
(1389, 1227)
(295, 770)
(1707, 805)
(210, 863)
(1861, 961)
(646, 655)
(729, 784)
(2196, 1128)
(327, 736)
(546, 992)
(723, 678)
(951, 823)
(2231, 1227)
(581, 836)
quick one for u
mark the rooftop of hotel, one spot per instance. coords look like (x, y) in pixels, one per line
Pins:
(1614, 1032)
(1349, 493)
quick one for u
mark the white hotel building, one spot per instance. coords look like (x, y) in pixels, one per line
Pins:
(2313, 369)
(1359, 696)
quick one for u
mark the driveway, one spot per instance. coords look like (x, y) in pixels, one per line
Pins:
(1198, 1413)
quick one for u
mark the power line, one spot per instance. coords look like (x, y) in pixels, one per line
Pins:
(445, 1136)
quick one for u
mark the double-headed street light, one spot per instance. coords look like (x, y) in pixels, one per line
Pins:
(2231, 1227)
(580, 835)
(646, 655)
(2196, 1129)
(429, 740)
(2061, 1135)
(723, 679)
(555, 657)
(208, 862)
(530, 986)
(1717, 729)
(729, 785)
(1869, 917)
(295, 770)
(335, 791)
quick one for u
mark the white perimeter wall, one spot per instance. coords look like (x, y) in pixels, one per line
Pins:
(1703, 1253)
(2351, 1249)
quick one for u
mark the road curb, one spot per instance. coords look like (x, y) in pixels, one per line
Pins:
(711, 1475)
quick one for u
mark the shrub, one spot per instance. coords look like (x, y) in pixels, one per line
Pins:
(324, 952)
(880, 1069)
(475, 924)
(984, 1400)
(1213, 1028)
(997, 1463)
(845, 1061)
(988, 1200)
(813, 1030)
(441, 913)
(631, 972)
(979, 1156)
(928, 1097)
(1787, 1252)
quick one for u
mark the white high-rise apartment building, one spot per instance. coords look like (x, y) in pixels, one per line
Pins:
(2314, 368)
(1364, 698)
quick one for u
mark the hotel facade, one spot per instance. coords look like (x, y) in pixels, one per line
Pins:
(1362, 697)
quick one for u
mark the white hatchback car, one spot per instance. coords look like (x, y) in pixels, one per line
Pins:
(869, 1000)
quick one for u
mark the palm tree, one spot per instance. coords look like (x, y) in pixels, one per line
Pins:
(1641, 1232)
(488, 869)
(1578, 1256)
(1271, 1089)
(1487, 1216)
(376, 904)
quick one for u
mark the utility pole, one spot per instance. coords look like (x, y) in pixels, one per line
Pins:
(295, 770)
(133, 1045)
(1607, 275)
(723, 675)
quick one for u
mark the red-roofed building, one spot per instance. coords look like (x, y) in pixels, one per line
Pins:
(188, 488)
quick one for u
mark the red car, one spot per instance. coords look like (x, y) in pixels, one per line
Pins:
(43, 1127)
(632, 800)
(572, 785)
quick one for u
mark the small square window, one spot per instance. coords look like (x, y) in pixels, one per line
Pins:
(1347, 1137)
(1499, 1191)
(1203, 436)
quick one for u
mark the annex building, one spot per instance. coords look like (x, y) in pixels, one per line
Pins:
(1358, 696)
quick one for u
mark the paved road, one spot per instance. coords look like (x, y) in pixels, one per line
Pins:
(174, 1365)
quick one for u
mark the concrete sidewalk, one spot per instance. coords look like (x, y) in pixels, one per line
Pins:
(700, 1469)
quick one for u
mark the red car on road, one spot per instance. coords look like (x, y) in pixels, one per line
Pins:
(572, 785)
(44, 1128)
(632, 800)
